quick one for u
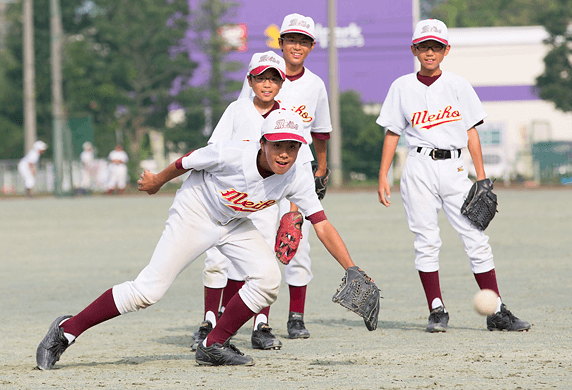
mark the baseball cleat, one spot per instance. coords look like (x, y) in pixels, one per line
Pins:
(262, 338)
(222, 355)
(505, 320)
(52, 346)
(438, 320)
(295, 326)
(201, 334)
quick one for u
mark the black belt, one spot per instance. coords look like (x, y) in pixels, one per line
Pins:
(440, 154)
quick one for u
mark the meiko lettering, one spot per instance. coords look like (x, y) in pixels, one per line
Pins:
(238, 201)
(431, 120)
(304, 114)
(268, 58)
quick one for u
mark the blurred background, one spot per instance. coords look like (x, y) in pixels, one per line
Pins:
(156, 75)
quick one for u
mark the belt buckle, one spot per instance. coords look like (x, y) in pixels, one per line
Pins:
(437, 154)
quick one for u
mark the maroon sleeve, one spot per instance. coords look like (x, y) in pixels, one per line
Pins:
(179, 162)
(322, 136)
(317, 217)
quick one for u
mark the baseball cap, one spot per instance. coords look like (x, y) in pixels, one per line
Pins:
(283, 125)
(262, 61)
(40, 145)
(431, 29)
(87, 145)
(298, 24)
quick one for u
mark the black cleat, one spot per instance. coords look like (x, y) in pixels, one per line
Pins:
(52, 346)
(222, 355)
(262, 338)
(295, 326)
(438, 320)
(505, 320)
(201, 334)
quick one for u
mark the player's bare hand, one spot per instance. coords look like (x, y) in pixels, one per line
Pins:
(384, 191)
(148, 183)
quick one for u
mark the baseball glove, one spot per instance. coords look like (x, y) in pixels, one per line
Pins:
(480, 206)
(321, 182)
(288, 236)
(359, 294)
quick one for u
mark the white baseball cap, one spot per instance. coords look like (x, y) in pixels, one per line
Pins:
(40, 145)
(283, 125)
(431, 29)
(262, 61)
(87, 145)
(298, 24)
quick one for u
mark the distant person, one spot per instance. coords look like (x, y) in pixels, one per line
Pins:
(27, 165)
(117, 170)
(88, 171)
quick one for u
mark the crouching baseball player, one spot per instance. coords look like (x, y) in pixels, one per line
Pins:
(228, 182)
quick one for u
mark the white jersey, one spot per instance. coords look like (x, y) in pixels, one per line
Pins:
(241, 121)
(307, 97)
(119, 155)
(87, 157)
(32, 157)
(437, 116)
(231, 187)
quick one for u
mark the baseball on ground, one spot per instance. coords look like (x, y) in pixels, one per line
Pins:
(485, 302)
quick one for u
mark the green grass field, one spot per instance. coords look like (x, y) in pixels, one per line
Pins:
(57, 255)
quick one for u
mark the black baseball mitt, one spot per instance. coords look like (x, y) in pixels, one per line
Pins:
(480, 206)
(359, 294)
(321, 182)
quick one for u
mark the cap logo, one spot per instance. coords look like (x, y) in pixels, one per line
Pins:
(428, 29)
(301, 23)
(268, 58)
(282, 124)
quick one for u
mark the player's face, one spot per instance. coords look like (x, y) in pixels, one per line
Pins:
(295, 48)
(278, 157)
(266, 85)
(430, 54)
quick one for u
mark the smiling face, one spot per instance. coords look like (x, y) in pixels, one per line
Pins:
(295, 48)
(430, 54)
(278, 157)
(266, 85)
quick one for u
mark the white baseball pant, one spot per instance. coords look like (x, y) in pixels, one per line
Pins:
(26, 172)
(189, 231)
(427, 186)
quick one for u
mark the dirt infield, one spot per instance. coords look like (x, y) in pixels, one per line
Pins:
(57, 255)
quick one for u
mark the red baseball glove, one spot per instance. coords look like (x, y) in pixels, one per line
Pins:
(288, 236)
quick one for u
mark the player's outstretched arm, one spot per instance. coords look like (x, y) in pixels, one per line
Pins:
(151, 183)
(389, 147)
(331, 239)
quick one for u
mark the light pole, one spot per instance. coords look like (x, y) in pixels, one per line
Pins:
(57, 96)
(30, 132)
(336, 139)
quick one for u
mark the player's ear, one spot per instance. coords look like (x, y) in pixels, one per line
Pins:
(413, 50)
(249, 81)
(447, 48)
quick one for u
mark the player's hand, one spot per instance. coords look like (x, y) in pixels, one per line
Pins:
(148, 183)
(384, 191)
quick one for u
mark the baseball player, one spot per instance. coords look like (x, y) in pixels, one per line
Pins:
(88, 166)
(438, 112)
(117, 170)
(227, 183)
(242, 121)
(305, 94)
(27, 165)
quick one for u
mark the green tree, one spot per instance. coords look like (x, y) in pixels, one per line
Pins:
(555, 84)
(122, 65)
(485, 13)
(362, 138)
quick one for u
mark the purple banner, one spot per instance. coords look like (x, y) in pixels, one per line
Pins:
(504, 93)
(373, 40)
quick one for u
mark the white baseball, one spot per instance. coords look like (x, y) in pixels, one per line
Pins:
(485, 302)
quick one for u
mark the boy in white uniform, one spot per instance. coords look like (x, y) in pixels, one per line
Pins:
(228, 182)
(242, 121)
(27, 165)
(304, 93)
(438, 113)
(117, 170)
